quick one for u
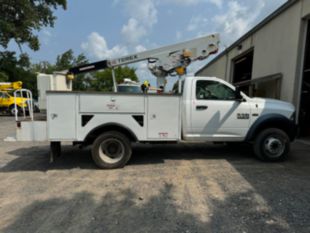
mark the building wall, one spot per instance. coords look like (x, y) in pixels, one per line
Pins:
(276, 50)
(305, 8)
(222, 67)
(217, 69)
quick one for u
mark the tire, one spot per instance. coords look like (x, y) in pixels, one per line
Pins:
(111, 150)
(272, 145)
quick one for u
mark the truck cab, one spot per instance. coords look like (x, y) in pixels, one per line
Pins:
(214, 110)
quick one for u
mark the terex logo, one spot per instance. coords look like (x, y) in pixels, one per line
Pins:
(129, 58)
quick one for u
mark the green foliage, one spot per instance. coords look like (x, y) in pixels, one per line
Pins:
(68, 60)
(103, 80)
(98, 81)
(17, 70)
(13, 69)
(43, 67)
(3, 77)
(20, 19)
(63, 62)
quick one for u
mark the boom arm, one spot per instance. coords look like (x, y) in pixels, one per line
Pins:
(8, 86)
(168, 60)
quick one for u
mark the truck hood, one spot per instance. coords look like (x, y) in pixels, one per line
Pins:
(274, 106)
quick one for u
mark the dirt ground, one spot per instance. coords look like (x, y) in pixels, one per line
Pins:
(175, 188)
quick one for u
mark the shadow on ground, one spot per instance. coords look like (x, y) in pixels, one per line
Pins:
(37, 158)
(278, 200)
(127, 212)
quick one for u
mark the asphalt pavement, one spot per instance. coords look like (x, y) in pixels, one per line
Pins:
(164, 188)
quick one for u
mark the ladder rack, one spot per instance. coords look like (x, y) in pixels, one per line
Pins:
(29, 103)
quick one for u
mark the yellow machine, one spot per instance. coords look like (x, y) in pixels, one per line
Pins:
(11, 86)
(7, 100)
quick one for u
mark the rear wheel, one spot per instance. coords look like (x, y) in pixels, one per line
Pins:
(272, 145)
(111, 150)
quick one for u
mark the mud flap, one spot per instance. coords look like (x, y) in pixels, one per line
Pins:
(55, 151)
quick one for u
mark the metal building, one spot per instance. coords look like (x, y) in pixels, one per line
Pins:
(272, 60)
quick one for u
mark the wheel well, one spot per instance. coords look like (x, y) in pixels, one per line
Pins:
(90, 138)
(279, 123)
(13, 106)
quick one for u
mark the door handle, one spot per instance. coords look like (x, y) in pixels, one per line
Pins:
(201, 107)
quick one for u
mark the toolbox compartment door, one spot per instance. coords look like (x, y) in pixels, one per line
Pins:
(61, 116)
(163, 118)
(92, 103)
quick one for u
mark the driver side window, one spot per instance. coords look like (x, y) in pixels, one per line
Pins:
(212, 90)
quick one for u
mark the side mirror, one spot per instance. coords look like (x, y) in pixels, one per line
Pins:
(238, 95)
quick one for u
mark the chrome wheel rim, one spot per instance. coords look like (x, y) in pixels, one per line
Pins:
(274, 147)
(111, 150)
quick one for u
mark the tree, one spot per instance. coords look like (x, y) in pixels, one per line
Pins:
(3, 77)
(103, 79)
(21, 18)
(68, 60)
(63, 62)
(17, 70)
(98, 81)
(43, 67)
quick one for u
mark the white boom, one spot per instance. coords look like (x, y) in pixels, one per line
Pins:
(164, 61)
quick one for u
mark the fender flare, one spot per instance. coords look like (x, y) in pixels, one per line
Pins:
(95, 132)
(272, 120)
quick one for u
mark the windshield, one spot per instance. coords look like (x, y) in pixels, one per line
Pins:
(129, 89)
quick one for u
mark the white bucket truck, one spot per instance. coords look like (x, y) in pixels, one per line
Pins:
(205, 109)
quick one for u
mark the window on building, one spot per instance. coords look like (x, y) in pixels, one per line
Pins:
(212, 90)
(243, 68)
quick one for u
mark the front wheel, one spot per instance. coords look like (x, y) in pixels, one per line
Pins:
(111, 150)
(272, 145)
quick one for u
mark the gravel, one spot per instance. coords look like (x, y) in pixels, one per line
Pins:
(164, 188)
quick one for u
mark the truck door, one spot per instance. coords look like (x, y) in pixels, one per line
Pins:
(216, 114)
(4, 100)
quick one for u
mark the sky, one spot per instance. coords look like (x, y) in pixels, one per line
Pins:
(105, 29)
